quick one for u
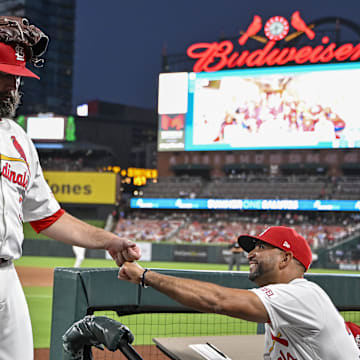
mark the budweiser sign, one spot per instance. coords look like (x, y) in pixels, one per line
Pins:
(219, 55)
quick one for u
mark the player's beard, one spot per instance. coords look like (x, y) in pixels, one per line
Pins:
(9, 102)
(263, 272)
(257, 272)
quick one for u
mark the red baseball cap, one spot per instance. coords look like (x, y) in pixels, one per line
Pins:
(284, 238)
(13, 61)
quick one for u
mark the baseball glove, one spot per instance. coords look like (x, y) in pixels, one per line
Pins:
(18, 31)
(97, 331)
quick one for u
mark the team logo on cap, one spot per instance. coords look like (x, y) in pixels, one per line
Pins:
(19, 53)
(286, 244)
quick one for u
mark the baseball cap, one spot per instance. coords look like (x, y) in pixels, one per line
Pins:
(13, 61)
(284, 238)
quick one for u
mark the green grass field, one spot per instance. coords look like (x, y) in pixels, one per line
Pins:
(40, 298)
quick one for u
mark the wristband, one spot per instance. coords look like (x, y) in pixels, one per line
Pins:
(142, 283)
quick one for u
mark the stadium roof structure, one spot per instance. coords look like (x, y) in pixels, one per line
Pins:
(245, 167)
(351, 168)
(351, 165)
(192, 169)
(87, 149)
(309, 167)
(72, 146)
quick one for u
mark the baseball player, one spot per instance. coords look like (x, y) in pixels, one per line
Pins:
(25, 195)
(79, 253)
(300, 320)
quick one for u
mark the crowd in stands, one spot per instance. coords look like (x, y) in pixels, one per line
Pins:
(321, 231)
(82, 159)
(255, 186)
(53, 163)
(349, 256)
(153, 230)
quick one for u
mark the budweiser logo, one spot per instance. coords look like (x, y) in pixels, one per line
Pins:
(219, 55)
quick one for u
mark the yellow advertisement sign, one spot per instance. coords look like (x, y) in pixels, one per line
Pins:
(82, 187)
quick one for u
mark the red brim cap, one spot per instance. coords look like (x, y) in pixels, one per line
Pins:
(282, 237)
(12, 61)
(17, 70)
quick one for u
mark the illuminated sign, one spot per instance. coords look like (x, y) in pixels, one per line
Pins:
(287, 107)
(139, 176)
(219, 55)
(147, 173)
(82, 110)
(246, 204)
(48, 127)
(133, 172)
(82, 187)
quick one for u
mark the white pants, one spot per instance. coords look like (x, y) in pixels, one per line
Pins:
(79, 254)
(16, 341)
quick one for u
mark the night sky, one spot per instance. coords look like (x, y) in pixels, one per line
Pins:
(118, 43)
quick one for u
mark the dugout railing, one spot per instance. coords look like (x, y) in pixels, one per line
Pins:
(80, 292)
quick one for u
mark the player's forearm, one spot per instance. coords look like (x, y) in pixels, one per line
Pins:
(202, 296)
(199, 295)
(210, 298)
(73, 231)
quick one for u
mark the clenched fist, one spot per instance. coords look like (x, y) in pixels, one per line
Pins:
(131, 271)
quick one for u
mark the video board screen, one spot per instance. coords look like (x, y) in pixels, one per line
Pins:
(294, 107)
(46, 128)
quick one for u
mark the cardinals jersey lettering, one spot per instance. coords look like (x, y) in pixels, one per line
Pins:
(24, 194)
(304, 324)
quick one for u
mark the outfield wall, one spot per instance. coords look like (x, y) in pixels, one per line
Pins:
(43, 247)
(78, 292)
(200, 253)
(214, 254)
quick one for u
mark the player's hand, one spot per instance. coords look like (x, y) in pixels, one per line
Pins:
(131, 271)
(122, 250)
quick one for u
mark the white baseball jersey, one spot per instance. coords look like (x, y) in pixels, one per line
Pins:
(24, 193)
(304, 324)
(24, 196)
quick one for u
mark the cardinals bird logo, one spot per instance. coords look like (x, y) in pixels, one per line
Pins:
(20, 150)
(276, 28)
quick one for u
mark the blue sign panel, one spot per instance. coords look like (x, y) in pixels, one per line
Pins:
(246, 204)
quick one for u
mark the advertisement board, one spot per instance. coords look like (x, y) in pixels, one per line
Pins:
(82, 187)
(190, 253)
(246, 204)
(46, 128)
